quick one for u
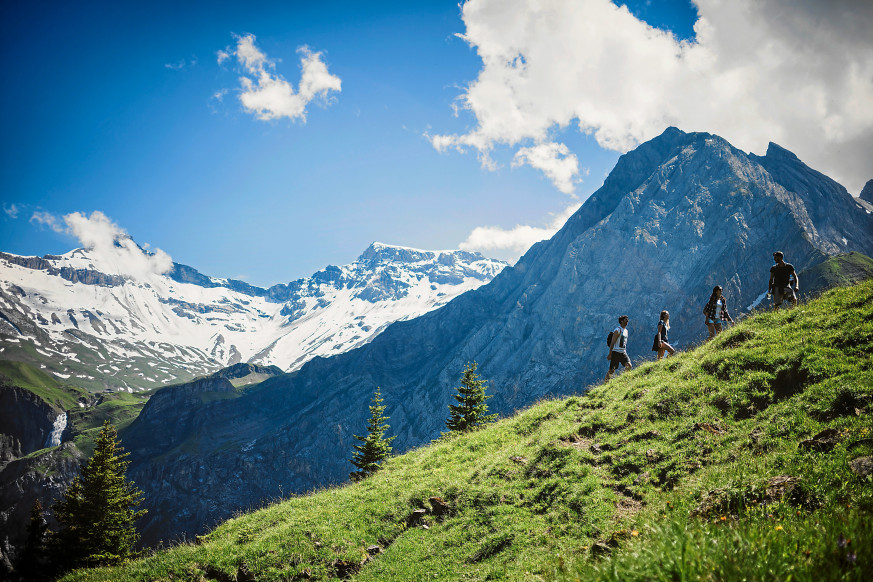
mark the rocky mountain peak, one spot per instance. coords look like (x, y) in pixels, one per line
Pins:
(381, 253)
(867, 192)
(777, 152)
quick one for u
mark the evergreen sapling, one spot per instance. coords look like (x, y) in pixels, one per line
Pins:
(374, 447)
(471, 411)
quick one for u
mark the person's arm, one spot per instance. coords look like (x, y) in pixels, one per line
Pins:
(796, 280)
(770, 284)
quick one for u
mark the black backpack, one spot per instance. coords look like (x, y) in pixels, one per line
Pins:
(609, 337)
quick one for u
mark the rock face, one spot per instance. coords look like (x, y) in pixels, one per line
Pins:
(29, 424)
(678, 215)
(44, 478)
(26, 422)
(867, 192)
(101, 330)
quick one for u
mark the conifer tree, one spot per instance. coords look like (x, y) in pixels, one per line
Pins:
(97, 512)
(31, 565)
(374, 447)
(471, 410)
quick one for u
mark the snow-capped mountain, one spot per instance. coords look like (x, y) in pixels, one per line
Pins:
(78, 317)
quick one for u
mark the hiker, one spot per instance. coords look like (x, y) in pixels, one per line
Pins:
(780, 281)
(618, 348)
(661, 344)
(716, 312)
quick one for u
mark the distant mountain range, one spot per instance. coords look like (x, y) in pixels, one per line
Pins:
(78, 318)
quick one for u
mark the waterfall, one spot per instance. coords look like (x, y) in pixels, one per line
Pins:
(54, 439)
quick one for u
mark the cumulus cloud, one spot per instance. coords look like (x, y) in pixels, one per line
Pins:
(266, 94)
(796, 72)
(509, 244)
(555, 161)
(109, 245)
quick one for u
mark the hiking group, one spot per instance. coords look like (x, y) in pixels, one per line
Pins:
(783, 285)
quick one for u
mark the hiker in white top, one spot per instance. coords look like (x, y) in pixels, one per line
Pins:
(716, 312)
(618, 348)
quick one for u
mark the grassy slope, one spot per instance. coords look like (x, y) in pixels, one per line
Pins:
(50, 390)
(837, 271)
(662, 474)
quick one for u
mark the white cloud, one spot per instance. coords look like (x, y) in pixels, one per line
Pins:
(181, 64)
(799, 73)
(47, 219)
(267, 94)
(510, 244)
(110, 246)
(555, 161)
(11, 210)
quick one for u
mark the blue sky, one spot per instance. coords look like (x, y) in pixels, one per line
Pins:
(415, 136)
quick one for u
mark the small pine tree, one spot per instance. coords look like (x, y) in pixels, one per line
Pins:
(31, 565)
(375, 448)
(97, 512)
(471, 410)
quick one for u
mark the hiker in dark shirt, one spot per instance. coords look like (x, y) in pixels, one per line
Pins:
(780, 281)
(660, 345)
(716, 312)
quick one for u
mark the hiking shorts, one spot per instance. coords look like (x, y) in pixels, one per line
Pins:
(618, 358)
(781, 293)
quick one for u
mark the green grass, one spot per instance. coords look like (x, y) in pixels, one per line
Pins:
(691, 468)
(55, 394)
(119, 408)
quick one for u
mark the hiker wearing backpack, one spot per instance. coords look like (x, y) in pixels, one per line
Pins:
(780, 281)
(716, 312)
(617, 341)
(661, 344)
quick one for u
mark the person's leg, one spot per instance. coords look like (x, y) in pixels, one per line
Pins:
(711, 328)
(625, 361)
(613, 364)
(668, 348)
(717, 327)
(777, 298)
(661, 352)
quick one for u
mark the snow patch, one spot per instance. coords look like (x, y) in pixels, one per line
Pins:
(757, 301)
